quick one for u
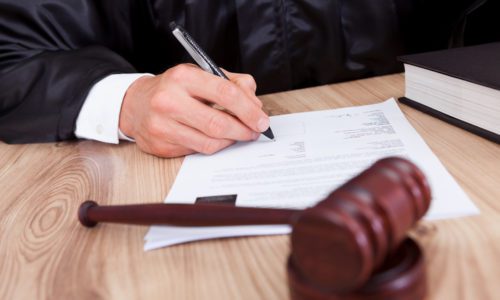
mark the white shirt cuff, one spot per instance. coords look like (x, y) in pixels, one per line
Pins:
(122, 136)
(100, 114)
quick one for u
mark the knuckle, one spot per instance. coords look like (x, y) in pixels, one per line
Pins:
(155, 128)
(155, 149)
(227, 90)
(162, 150)
(167, 151)
(249, 81)
(179, 73)
(259, 102)
(157, 102)
(162, 102)
(210, 147)
(216, 126)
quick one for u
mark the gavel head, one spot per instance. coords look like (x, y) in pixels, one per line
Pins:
(337, 244)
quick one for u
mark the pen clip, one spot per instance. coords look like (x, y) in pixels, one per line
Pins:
(195, 51)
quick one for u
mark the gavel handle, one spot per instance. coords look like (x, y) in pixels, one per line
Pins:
(90, 213)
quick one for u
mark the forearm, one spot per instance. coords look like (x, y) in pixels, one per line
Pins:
(42, 96)
(51, 55)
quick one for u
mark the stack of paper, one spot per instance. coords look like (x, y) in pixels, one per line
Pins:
(314, 153)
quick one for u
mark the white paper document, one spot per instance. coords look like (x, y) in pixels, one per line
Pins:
(314, 153)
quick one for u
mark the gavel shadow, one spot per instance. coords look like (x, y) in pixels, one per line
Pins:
(351, 245)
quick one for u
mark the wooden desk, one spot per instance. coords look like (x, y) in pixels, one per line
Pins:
(46, 254)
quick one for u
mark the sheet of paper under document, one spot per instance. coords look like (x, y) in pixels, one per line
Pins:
(314, 153)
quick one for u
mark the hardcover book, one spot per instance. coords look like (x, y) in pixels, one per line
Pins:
(460, 86)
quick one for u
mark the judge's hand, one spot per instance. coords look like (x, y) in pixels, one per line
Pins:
(170, 115)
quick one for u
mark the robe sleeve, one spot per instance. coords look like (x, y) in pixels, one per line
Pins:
(51, 54)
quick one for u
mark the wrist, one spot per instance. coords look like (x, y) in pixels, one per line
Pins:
(129, 105)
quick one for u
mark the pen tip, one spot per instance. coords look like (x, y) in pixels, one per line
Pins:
(269, 133)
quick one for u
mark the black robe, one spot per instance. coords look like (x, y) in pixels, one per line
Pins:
(53, 51)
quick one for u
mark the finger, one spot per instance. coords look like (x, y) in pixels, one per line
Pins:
(225, 93)
(249, 90)
(182, 135)
(245, 81)
(168, 150)
(162, 148)
(212, 122)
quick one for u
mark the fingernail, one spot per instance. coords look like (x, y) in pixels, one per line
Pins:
(255, 135)
(263, 124)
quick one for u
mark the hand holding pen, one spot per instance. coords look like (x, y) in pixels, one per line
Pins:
(203, 60)
(168, 115)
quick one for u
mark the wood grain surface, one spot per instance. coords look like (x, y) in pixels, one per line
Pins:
(46, 254)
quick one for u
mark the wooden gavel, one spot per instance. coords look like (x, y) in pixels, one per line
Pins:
(351, 245)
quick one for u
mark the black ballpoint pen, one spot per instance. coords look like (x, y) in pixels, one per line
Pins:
(202, 58)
